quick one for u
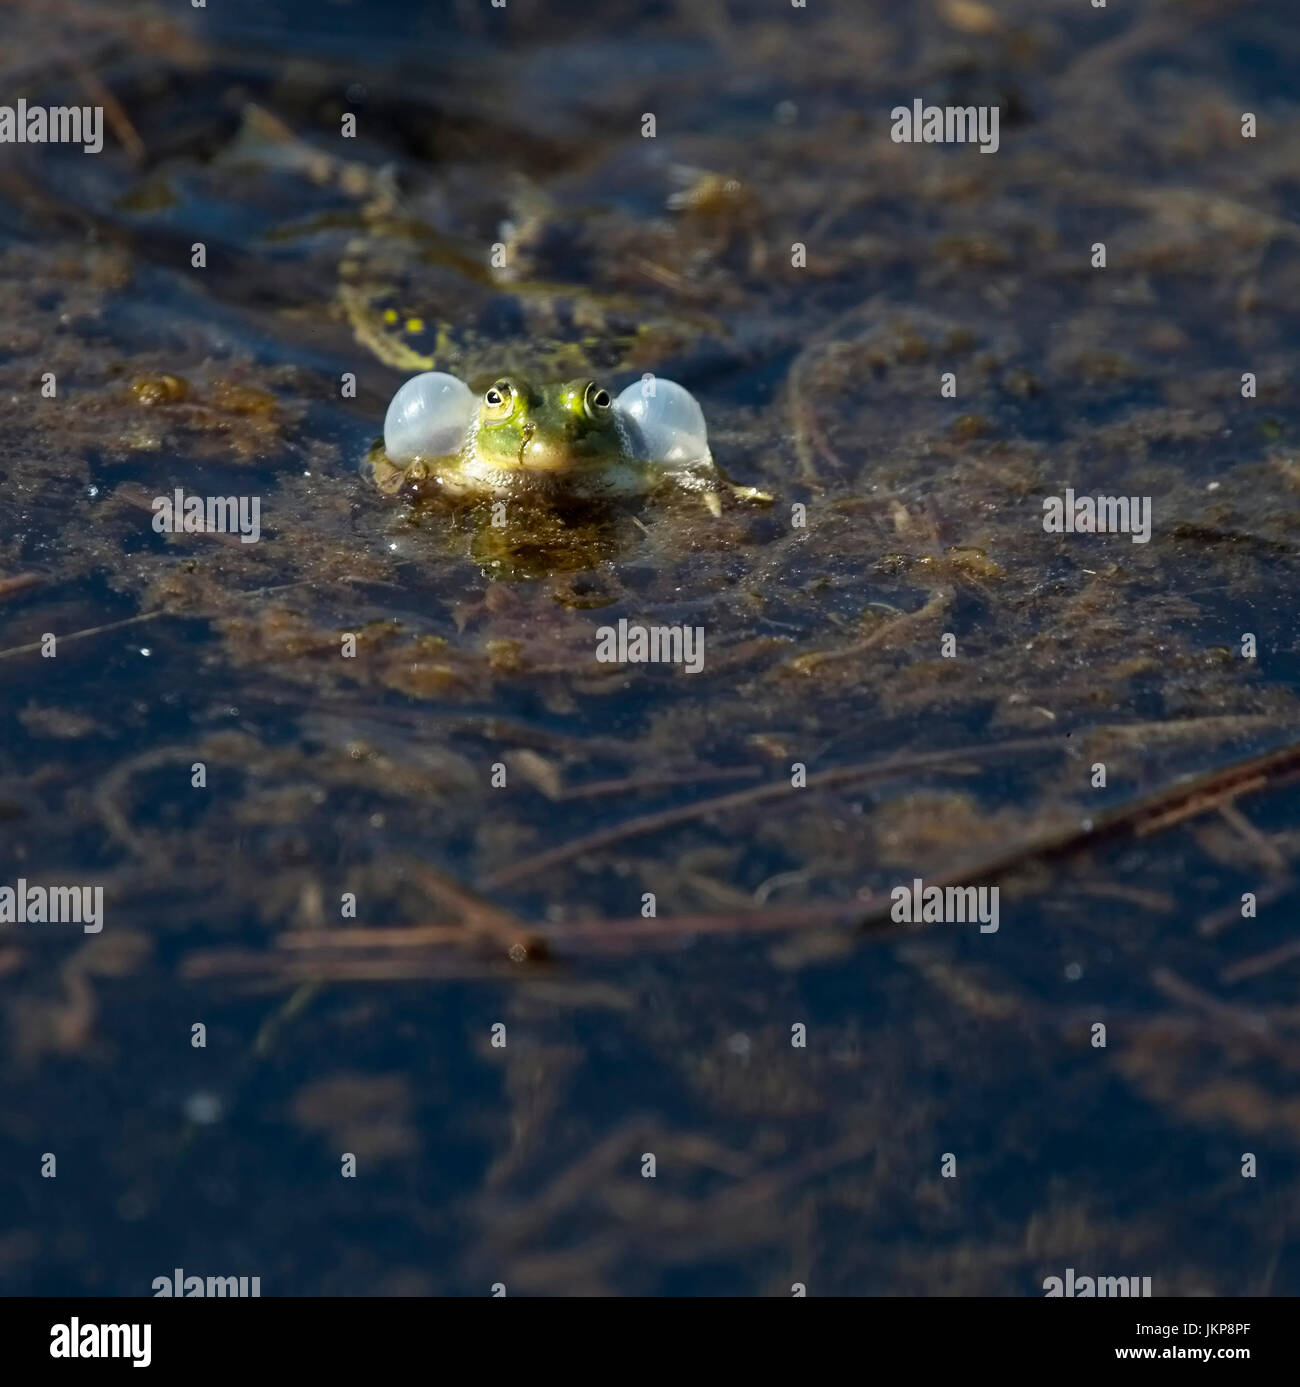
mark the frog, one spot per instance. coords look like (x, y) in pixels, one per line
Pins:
(527, 437)
(544, 422)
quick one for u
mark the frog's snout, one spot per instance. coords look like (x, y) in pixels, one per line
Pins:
(543, 451)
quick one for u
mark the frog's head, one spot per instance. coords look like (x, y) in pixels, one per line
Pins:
(517, 426)
(554, 428)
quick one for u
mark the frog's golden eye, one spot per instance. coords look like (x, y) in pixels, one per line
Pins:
(597, 401)
(499, 400)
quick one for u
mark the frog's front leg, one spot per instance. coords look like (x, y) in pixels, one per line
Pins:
(752, 493)
(713, 497)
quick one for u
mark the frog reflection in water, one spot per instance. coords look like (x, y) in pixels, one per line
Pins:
(571, 441)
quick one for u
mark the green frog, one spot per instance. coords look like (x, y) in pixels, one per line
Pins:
(523, 438)
(549, 431)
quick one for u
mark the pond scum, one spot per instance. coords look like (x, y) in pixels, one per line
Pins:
(404, 884)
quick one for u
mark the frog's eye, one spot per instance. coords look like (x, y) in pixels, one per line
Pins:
(665, 422)
(427, 418)
(597, 401)
(499, 400)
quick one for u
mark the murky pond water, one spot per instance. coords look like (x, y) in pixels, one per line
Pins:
(905, 675)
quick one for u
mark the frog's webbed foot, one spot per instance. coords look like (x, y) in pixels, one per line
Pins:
(751, 493)
(746, 495)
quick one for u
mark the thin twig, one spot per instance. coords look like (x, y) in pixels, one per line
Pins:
(840, 775)
(20, 582)
(479, 916)
(1261, 963)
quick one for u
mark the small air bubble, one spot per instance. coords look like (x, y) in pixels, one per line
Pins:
(203, 1109)
(1074, 971)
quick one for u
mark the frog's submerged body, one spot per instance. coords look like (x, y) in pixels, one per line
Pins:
(524, 439)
